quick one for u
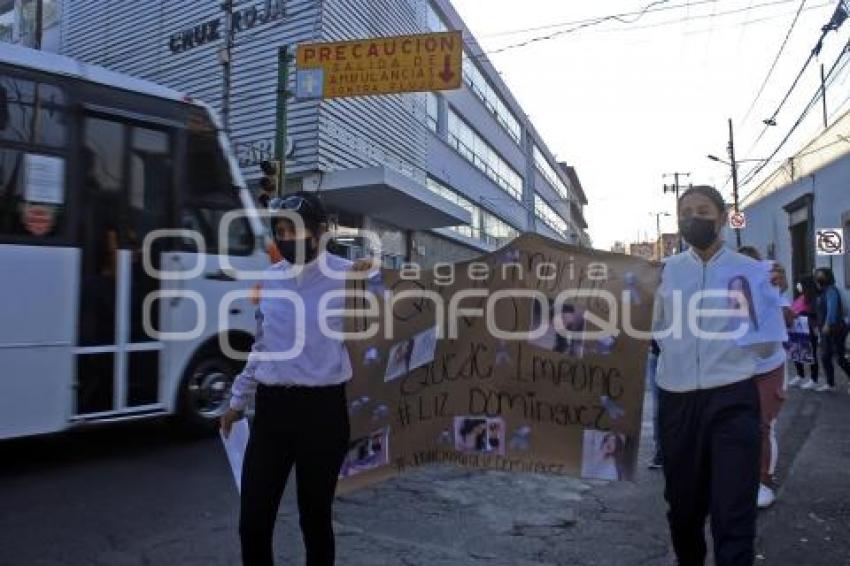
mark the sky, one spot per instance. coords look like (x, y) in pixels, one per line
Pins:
(626, 103)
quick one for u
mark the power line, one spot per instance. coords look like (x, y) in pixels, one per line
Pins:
(775, 60)
(753, 21)
(711, 16)
(758, 169)
(832, 25)
(584, 24)
(664, 8)
(578, 27)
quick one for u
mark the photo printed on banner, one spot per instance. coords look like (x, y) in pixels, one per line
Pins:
(479, 435)
(604, 456)
(412, 353)
(569, 317)
(367, 453)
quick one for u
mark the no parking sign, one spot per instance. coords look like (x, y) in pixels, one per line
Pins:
(737, 221)
(830, 241)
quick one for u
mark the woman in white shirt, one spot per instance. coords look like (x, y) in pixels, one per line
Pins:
(708, 400)
(301, 412)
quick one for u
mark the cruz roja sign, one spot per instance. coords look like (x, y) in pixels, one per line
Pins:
(213, 29)
(387, 65)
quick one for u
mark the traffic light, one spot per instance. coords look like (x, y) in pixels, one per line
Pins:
(268, 182)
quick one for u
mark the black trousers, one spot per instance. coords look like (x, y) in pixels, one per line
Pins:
(833, 346)
(305, 427)
(711, 444)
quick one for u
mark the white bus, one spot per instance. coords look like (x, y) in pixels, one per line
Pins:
(91, 162)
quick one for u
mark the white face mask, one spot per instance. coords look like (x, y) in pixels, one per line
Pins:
(799, 287)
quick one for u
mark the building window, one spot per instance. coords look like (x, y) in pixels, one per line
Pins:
(18, 23)
(548, 215)
(474, 79)
(474, 149)
(550, 174)
(471, 230)
(484, 226)
(433, 111)
(496, 231)
(435, 20)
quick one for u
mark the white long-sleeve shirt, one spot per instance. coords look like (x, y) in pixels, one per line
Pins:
(692, 361)
(322, 360)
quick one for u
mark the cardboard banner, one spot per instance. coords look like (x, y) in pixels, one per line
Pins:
(529, 359)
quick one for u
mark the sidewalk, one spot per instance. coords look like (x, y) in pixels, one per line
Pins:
(446, 516)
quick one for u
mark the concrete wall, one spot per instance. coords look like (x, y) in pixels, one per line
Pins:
(768, 223)
(439, 249)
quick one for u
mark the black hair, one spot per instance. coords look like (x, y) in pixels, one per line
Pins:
(827, 273)
(266, 184)
(468, 425)
(707, 191)
(810, 290)
(312, 212)
(750, 251)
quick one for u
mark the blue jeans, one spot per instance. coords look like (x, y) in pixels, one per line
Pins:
(651, 373)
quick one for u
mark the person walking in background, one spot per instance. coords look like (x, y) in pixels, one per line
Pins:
(805, 307)
(708, 400)
(652, 377)
(770, 379)
(833, 328)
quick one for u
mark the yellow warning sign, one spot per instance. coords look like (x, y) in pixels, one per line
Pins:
(409, 63)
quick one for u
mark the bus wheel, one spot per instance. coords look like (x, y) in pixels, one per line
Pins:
(205, 393)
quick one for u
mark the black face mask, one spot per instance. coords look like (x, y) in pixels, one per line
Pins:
(821, 282)
(698, 232)
(288, 249)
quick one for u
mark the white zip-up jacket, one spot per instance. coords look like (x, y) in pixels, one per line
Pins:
(323, 360)
(689, 359)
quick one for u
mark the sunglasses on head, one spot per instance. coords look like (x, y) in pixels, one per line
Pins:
(294, 203)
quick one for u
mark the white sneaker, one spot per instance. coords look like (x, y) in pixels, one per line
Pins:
(797, 381)
(808, 384)
(766, 496)
(824, 388)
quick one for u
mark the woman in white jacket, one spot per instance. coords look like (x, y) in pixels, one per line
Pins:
(708, 400)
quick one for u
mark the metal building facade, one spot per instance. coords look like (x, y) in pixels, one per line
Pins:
(395, 164)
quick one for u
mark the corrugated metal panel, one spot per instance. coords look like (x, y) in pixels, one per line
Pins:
(375, 130)
(133, 37)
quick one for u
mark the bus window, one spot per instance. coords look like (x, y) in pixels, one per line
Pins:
(31, 112)
(32, 175)
(102, 173)
(210, 195)
(150, 206)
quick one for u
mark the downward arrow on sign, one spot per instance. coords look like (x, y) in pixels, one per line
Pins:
(447, 74)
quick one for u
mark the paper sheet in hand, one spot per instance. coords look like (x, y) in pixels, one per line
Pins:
(761, 301)
(235, 446)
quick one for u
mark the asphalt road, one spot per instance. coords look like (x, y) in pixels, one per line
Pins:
(145, 494)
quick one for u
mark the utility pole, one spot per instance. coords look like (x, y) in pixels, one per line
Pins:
(39, 16)
(659, 245)
(823, 95)
(225, 57)
(283, 94)
(734, 165)
(675, 188)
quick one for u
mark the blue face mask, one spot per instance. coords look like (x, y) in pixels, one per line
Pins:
(288, 249)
